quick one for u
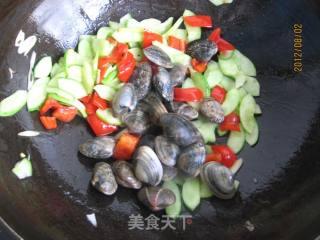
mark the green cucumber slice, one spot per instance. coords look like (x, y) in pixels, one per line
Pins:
(43, 68)
(226, 54)
(23, 169)
(229, 67)
(231, 102)
(252, 86)
(191, 193)
(227, 83)
(72, 87)
(161, 28)
(102, 47)
(59, 92)
(173, 210)
(84, 49)
(201, 82)
(74, 73)
(181, 34)
(258, 109)
(107, 116)
(194, 33)
(124, 20)
(56, 69)
(247, 109)
(174, 28)
(206, 129)
(72, 58)
(134, 45)
(175, 55)
(236, 140)
(37, 94)
(88, 77)
(213, 74)
(188, 83)
(114, 25)
(125, 35)
(252, 138)
(104, 32)
(137, 53)
(217, 2)
(205, 191)
(152, 25)
(13, 104)
(244, 64)
(105, 92)
(240, 79)
(242, 93)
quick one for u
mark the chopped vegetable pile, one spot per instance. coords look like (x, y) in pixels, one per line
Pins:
(142, 75)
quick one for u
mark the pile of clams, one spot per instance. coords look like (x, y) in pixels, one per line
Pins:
(176, 147)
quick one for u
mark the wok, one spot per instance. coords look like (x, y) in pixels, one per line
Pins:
(279, 191)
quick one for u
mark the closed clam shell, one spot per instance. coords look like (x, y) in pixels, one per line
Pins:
(156, 198)
(178, 74)
(157, 56)
(192, 158)
(137, 121)
(103, 179)
(154, 106)
(125, 100)
(124, 174)
(169, 173)
(166, 150)
(99, 147)
(219, 179)
(185, 110)
(202, 50)
(147, 167)
(212, 110)
(141, 79)
(163, 85)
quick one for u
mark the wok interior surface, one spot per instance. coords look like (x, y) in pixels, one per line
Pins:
(279, 180)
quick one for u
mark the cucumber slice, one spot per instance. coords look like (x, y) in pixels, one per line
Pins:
(175, 55)
(226, 54)
(236, 140)
(258, 109)
(179, 180)
(37, 94)
(240, 79)
(56, 69)
(74, 73)
(201, 83)
(88, 77)
(105, 92)
(43, 68)
(23, 169)
(72, 87)
(244, 64)
(13, 104)
(114, 25)
(194, 33)
(137, 53)
(229, 67)
(124, 20)
(174, 28)
(252, 138)
(175, 209)
(104, 33)
(84, 49)
(231, 102)
(161, 28)
(191, 193)
(134, 45)
(133, 23)
(72, 58)
(217, 2)
(213, 76)
(60, 93)
(102, 47)
(188, 83)
(247, 109)
(152, 25)
(205, 191)
(227, 83)
(252, 86)
(125, 35)
(236, 166)
(111, 79)
(242, 93)
(206, 129)
(107, 116)
(181, 34)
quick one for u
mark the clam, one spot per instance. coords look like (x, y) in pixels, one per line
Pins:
(185, 110)
(148, 168)
(166, 150)
(137, 121)
(125, 100)
(158, 57)
(202, 50)
(100, 147)
(124, 175)
(156, 198)
(141, 79)
(154, 106)
(178, 74)
(192, 158)
(219, 179)
(163, 85)
(148, 140)
(179, 130)
(169, 173)
(103, 179)
(212, 110)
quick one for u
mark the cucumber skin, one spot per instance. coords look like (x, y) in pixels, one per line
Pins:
(6, 109)
(191, 188)
(236, 140)
(205, 191)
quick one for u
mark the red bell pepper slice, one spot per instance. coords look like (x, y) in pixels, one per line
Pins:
(149, 37)
(219, 94)
(214, 157)
(126, 146)
(228, 157)
(188, 94)
(99, 127)
(98, 101)
(90, 107)
(126, 67)
(65, 114)
(222, 44)
(199, 66)
(198, 21)
(231, 123)
(177, 43)
(86, 99)
(50, 104)
(49, 123)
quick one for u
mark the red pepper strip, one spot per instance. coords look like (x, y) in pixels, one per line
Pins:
(222, 44)
(199, 66)
(98, 101)
(99, 127)
(48, 105)
(86, 99)
(198, 21)
(126, 67)
(188, 94)
(231, 123)
(219, 94)
(117, 54)
(125, 146)
(177, 43)
(90, 107)
(215, 157)
(228, 156)
(65, 114)
(49, 123)
(149, 37)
